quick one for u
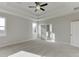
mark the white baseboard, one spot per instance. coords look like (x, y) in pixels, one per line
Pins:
(14, 42)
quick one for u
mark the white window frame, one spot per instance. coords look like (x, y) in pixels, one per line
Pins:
(3, 31)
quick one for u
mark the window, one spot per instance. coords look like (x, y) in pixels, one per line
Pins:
(2, 26)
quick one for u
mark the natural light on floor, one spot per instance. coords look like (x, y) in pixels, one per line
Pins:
(23, 54)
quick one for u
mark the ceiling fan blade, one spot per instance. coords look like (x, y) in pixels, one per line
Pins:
(43, 4)
(31, 6)
(42, 9)
(37, 3)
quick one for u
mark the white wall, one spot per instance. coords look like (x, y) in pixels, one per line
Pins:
(62, 27)
(17, 30)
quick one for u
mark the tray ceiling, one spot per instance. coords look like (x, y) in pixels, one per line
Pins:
(53, 9)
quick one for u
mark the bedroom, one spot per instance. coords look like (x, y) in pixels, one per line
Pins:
(40, 29)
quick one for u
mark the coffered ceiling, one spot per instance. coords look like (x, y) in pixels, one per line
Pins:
(53, 9)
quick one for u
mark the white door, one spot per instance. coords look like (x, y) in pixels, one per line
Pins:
(75, 33)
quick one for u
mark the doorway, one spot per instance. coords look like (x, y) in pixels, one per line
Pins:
(46, 33)
(34, 30)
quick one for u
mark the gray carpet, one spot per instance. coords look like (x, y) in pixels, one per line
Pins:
(42, 48)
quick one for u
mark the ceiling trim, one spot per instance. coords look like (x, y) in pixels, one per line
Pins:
(70, 14)
(16, 14)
